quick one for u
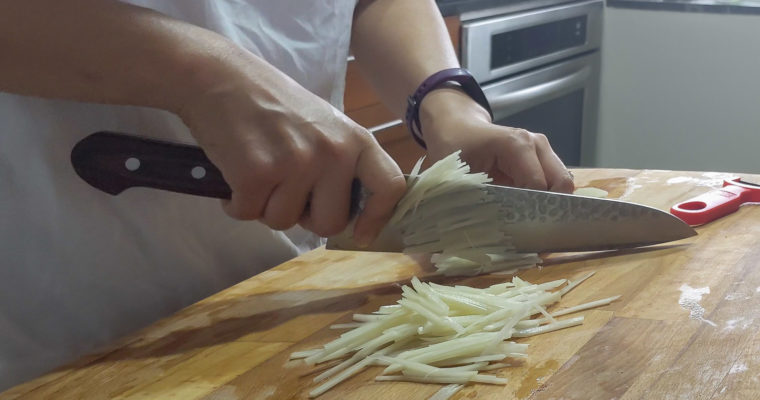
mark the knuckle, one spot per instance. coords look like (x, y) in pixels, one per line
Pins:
(397, 186)
(517, 140)
(296, 164)
(541, 139)
(565, 184)
(266, 164)
(336, 150)
(295, 159)
(250, 185)
(253, 171)
(234, 210)
(523, 134)
(280, 216)
(363, 137)
(386, 199)
(330, 227)
(536, 182)
(244, 215)
(525, 138)
(279, 222)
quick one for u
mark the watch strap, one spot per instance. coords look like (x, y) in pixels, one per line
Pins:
(461, 76)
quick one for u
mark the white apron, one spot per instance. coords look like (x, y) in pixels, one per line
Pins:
(78, 267)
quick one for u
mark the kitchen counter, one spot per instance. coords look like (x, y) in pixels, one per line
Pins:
(686, 325)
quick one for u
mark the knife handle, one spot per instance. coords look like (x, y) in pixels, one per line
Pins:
(716, 203)
(113, 162)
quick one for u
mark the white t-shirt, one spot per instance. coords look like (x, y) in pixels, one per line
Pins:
(78, 267)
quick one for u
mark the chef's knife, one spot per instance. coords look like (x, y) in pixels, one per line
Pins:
(537, 221)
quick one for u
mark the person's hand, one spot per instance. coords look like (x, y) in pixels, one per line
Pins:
(515, 157)
(288, 156)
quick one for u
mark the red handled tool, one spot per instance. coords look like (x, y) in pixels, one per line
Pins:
(717, 203)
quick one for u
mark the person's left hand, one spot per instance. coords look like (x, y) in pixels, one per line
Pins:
(451, 121)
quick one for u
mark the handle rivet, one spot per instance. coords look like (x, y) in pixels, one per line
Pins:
(132, 164)
(198, 172)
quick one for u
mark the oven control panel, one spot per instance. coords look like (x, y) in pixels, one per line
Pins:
(503, 45)
(524, 44)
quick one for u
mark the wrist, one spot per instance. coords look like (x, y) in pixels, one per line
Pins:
(448, 104)
(225, 81)
(199, 71)
(450, 84)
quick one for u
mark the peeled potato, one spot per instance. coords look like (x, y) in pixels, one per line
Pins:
(591, 192)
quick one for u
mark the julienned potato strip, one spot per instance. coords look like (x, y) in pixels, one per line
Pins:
(436, 215)
(443, 334)
(417, 349)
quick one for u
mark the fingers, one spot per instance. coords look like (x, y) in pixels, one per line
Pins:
(380, 175)
(271, 186)
(249, 207)
(519, 160)
(315, 189)
(558, 178)
(286, 204)
(290, 156)
(527, 160)
(250, 193)
(330, 203)
(500, 178)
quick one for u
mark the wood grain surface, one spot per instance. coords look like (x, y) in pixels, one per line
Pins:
(686, 326)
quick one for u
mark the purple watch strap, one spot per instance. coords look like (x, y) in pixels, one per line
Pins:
(459, 75)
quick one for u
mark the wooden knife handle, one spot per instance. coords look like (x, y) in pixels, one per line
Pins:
(113, 162)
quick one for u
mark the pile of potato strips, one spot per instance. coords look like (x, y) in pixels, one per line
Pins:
(446, 334)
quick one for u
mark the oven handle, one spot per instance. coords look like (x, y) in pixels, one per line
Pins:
(523, 99)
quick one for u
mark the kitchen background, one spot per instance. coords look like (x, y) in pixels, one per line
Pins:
(679, 81)
(680, 90)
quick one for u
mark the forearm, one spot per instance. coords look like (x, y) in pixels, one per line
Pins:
(104, 51)
(398, 44)
(288, 156)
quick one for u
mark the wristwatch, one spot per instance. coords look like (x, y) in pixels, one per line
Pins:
(460, 76)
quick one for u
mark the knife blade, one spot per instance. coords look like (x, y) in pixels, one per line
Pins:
(537, 221)
(545, 222)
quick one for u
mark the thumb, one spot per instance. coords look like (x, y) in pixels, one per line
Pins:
(383, 179)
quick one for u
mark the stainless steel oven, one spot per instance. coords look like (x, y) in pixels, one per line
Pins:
(540, 71)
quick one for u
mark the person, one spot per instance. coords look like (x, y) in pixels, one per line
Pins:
(258, 84)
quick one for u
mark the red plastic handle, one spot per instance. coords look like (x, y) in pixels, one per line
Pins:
(717, 203)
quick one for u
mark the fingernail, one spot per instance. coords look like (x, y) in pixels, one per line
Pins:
(362, 240)
(364, 237)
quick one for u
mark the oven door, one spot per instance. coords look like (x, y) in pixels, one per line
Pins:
(560, 101)
(496, 47)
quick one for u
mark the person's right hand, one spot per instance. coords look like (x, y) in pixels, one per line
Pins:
(288, 155)
(277, 145)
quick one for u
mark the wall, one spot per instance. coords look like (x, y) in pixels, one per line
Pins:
(680, 91)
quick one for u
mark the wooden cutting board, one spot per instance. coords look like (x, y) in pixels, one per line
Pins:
(686, 326)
